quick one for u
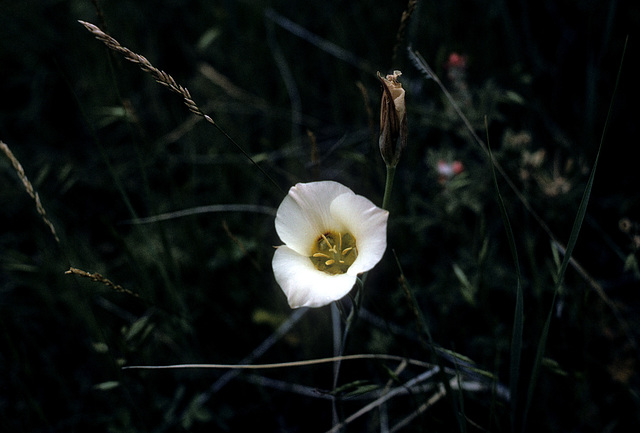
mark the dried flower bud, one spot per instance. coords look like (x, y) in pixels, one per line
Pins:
(393, 119)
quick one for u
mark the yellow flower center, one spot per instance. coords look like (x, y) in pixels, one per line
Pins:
(333, 253)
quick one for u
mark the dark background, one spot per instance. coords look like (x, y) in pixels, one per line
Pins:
(103, 144)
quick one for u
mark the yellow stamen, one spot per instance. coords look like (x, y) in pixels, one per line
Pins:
(328, 254)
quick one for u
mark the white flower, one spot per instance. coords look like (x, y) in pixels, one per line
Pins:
(330, 236)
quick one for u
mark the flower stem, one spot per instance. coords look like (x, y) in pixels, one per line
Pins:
(391, 171)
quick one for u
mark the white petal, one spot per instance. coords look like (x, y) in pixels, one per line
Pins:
(305, 213)
(368, 224)
(303, 284)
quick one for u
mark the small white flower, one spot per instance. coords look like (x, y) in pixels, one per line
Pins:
(330, 236)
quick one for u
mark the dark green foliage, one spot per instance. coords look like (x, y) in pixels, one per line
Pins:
(105, 145)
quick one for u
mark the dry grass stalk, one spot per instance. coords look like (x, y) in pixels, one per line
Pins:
(404, 23)
(159, 75)
(168, 81)
(100, 279)
(29, 187)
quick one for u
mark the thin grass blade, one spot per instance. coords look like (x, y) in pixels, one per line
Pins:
(573, 238)
(518, 315)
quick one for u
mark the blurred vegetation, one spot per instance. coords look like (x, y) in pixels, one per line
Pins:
(294, 85)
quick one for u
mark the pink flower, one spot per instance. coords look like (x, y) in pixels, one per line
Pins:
(447, 170)
(456, 61)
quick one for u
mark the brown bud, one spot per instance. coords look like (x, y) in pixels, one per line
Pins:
(393, 119)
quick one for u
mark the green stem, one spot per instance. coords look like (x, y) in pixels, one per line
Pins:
(356, 302)
(391, 171)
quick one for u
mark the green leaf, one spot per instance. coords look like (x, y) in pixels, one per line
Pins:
(106, 386)
(554, 366)
(140, 326)
(466, 288)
